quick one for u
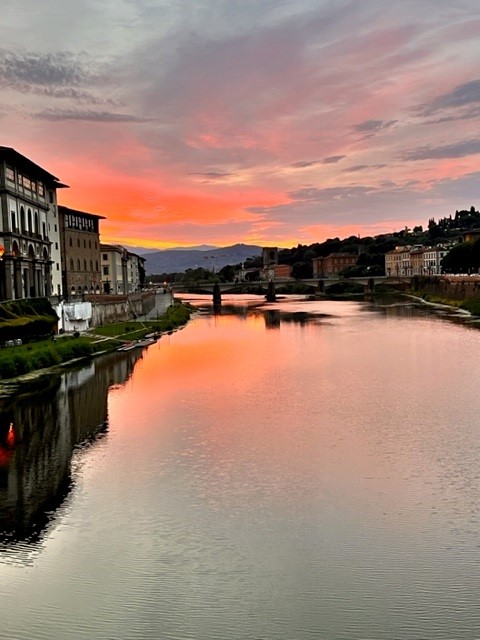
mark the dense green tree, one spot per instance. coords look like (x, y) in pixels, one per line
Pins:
(458, 259)
(228, 273)
(302, 270)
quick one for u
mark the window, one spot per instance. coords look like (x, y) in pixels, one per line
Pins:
(96, 265)
(84, 265)
(40, 189)
(13, 220)
(71, 242)
(84, 244)
(55, 227)
(105, 271)
(104, 256)
(56, 246)
(9, 174)
(91, 265)
(72, 267)
(78, 265)
(78, 242)
(50, 197)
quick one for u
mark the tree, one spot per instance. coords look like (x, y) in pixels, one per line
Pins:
(458, 259)
(227, 273)
(302, 270)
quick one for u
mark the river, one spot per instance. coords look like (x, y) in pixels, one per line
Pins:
(288, 471)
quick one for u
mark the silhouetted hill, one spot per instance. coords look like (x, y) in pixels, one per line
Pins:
(179, 260)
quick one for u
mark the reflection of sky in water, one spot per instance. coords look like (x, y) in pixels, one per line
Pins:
(318, 480)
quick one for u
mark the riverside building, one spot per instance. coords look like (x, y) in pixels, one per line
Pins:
(122, 271)
(30, 258)
(80, 251)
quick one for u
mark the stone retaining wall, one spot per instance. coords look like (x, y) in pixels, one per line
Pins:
(452, 287)
(107, 309)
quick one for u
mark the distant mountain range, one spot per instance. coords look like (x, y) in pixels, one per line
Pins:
(144, 250)
(179, 260)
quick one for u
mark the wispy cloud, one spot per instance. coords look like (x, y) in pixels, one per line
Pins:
(462, 95)
(374, 126)
(21, 69)
(455, 150)
(56, 115)
(332, 159)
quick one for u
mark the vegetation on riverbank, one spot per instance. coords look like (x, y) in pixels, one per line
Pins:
(22, 359)
(26, 319)
(472, 305)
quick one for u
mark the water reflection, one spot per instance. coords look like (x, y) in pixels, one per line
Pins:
(39, 430)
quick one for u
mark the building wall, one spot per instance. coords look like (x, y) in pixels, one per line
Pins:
(30, 264)
(81, 251)
(332, 264)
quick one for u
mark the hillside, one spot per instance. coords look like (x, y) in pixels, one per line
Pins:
(179, 260)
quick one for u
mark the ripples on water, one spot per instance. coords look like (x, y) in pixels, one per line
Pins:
(296, 471)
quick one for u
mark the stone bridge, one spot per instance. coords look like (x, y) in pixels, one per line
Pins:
(319, 284)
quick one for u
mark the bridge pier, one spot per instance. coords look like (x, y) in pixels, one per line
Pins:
(370, 287)
(217, 295)
(271, 296)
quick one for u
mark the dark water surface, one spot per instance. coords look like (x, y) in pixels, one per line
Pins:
(301, 470)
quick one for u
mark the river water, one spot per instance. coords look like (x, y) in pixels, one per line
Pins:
(290, 471)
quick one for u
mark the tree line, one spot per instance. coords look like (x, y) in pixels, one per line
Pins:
(371, 250)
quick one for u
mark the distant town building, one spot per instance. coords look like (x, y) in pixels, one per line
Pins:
(122, 272)
(269, 256)
(80, 247)
(397, 261)
(276, 271)
(332, 265)
(30, 258)
(415, 260)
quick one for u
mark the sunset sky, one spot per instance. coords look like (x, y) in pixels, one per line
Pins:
(269, 122)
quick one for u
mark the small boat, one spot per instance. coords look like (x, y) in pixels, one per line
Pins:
(145, 342)
(127, 346)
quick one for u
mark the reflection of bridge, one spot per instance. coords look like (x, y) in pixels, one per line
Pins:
(319, 284)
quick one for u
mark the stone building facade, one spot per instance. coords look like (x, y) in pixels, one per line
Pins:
(80, 245)
(122, 271)
(30, 258)
(332, 265)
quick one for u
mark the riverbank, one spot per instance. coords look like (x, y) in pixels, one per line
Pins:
(470, 305)
(24, 363)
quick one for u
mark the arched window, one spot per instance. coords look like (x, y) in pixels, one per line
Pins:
(22, 219)
(96, 265)
(14, 220)
(84, 265)
(29, 217)
(72, 266)
(91, 265)
(44, 230)
(37, 229)
(78, 265)
(71, 242)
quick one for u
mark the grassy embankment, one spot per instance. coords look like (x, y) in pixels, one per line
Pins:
(472, 305)
(26, 358)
